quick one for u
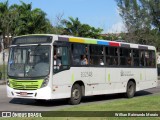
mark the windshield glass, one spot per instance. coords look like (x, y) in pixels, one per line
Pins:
(29, 61)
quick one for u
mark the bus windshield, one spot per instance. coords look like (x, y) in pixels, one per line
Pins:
(29, 61)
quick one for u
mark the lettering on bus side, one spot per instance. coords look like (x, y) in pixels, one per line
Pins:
(126, 73)
(86, 74)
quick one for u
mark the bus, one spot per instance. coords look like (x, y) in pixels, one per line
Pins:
(48, 66)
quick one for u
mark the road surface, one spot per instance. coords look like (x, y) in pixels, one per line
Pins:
(9, 104)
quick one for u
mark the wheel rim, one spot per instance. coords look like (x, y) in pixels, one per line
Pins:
(76, 94)
(131, 89)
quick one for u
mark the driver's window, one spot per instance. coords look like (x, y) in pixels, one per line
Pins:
(61, 59)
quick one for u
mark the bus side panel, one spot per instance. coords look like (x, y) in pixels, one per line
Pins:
(64, 80)
(108, 82)
(61, 84)
(98, 80)
(113, 81)
(150, 79)
(144, 77)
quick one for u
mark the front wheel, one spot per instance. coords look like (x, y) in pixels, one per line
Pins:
(76, 94)
(131, 88)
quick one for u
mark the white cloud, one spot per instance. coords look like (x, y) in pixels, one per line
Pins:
(117, 28)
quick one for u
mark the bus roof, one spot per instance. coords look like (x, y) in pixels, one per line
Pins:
(83, 40)
(103, 42)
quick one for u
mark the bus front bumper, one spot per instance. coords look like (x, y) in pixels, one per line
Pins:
(42, 93)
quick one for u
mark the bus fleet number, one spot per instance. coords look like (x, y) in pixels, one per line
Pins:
(86, 74)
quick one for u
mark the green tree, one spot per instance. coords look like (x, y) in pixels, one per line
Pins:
(142, 20)
(30, 21)
(7, 18)
(153, 10)
(76, 28)
(136, 20)
(22, 19)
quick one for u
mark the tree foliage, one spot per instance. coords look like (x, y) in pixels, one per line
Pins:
(153, 8)
(76, 28)
(22, 19)
(139, 17)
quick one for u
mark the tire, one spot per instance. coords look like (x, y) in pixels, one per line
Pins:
(76, 95)
(131, 88)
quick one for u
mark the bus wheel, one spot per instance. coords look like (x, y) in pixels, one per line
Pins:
(76, 94)
(131, 88)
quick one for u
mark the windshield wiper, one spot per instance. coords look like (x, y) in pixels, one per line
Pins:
(36, 47)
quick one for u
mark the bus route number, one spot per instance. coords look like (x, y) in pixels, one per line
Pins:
(86, 74)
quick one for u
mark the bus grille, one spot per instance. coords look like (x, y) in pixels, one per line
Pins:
(25, 84)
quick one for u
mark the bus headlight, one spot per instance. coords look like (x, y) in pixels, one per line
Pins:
(45, 82)
(8, 83)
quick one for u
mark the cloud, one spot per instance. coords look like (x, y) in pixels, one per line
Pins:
(117, 28)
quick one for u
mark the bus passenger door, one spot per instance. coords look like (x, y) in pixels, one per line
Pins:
(61, 72)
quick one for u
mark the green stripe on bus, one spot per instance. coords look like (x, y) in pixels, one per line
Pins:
(109, 77)
(72, 77)
(90, 41)
(25, 84)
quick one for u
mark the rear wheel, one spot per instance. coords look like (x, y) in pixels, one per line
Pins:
(76, 94)
(131, 88)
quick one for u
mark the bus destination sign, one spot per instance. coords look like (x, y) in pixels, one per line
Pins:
(32, 40)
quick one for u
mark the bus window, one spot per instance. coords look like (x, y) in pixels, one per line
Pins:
(96, 55)
(147, 60)
(125, 57)
(108, 60)
(135, 57)
(112, 56)
(142, 58)
(61, 59)
(79, 54)
(150, 58)
(84, 60)
(114, 61)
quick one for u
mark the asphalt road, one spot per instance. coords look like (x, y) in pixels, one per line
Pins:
(8, 104)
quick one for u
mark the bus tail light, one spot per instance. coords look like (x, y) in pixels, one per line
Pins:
(45, 82)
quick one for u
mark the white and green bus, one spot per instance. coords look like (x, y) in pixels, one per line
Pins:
(46, 67)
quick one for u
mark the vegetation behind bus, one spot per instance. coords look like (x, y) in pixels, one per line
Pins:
(139, 30)
(141, 18)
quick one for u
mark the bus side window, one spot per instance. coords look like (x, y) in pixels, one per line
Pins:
(61, 59)
(152, 58)
(113, 55)
(147, 61)
(142, 58)
(135, 57)
(97, 55)
(79, 53)
(125, 57)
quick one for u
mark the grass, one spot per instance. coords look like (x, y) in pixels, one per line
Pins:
(144, 103)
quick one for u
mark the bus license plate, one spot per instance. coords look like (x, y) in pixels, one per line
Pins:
(23, 93)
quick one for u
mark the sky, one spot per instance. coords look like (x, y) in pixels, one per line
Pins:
(97, 13)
